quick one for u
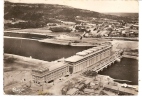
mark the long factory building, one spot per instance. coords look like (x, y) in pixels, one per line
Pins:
(95, 58)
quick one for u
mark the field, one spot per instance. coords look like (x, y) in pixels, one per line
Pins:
(17, 73)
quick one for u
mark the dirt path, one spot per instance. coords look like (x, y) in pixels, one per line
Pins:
(56, 89)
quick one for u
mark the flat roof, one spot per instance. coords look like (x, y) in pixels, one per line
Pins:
(74, 58)
(96, 48)
(88, 51)
(82, 53)
(55, 65)
(93, 49)
(50, 66)
(41, 68)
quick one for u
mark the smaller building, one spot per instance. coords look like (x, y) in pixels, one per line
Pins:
(87, 82)
(81, 86)
(72, 91)
(88, 91)
(49, 72)
(94, 84)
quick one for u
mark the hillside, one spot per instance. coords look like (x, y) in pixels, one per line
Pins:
(124, 14)
(128, 15)
(38, 15)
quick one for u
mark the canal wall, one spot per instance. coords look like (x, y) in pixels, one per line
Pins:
(20, 38)
(29, 60)
(132, 57)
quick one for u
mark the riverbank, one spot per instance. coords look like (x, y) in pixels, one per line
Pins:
(38, 31)
(67, 42)
(62, 38)
(20, 38)
(131, 53)
(124, 38)
(46, 32)
(58, 41)
(130, 56)
(73, 41)
(25, 59)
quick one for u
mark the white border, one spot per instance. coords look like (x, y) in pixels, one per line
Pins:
(7, 97)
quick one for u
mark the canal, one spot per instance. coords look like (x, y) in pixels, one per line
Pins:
(127, 69)
(39, 50)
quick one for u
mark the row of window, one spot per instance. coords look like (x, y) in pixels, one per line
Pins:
(92, 61)
(56, 74)
(53, 75)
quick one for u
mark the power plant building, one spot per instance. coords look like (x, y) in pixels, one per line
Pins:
(86, 60)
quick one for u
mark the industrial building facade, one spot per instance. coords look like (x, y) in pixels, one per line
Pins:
(82, 61)
(46, 74)
(87, 58)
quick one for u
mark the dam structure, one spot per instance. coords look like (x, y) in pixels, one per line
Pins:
(95, 58)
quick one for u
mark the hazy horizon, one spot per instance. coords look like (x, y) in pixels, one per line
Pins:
(117, 6)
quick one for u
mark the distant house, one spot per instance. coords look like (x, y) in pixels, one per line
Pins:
(134, 33)
(127, 29)
(135, 27)
(113, 34)
(104, 33)
(94, 85)
(124, 33)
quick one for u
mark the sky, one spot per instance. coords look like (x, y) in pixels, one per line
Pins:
(104, 6)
